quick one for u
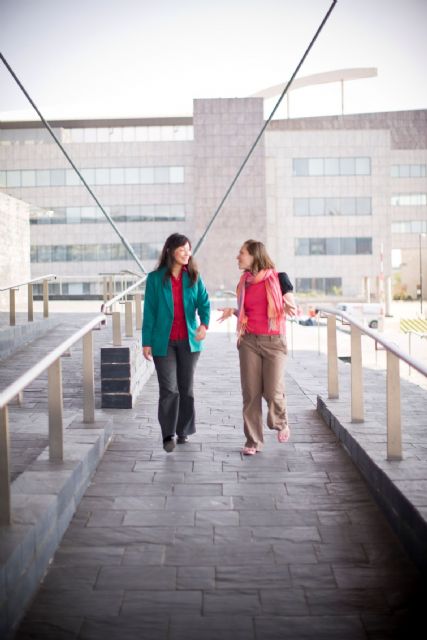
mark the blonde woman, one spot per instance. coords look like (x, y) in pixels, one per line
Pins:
(261, 318)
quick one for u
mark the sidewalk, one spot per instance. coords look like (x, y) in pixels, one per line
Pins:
(206, 544)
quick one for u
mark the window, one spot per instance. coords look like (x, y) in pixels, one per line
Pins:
(13, 178)
(330, 286)
(409, 199)
(331, 166)
(333, 246)
(332, 206)
(176, 174)
(28, 178)
(409, 226)
(408, 170)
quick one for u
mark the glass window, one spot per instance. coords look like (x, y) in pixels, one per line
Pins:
(317, 206)
(317, 246)
(71, 178)
(28, 178)
(332, 206)
(347, 166)
(315, 166)
(115, 134)
(176, 174)
(333, 286)
(177, 211)
(348, 246)
(59, 253)
(117, 176)
(73, 215)
(363, 206)
(301, 207)
(333, 246)
(88, 175)
(131, 175)
(404, 171)
(302, 246)
(154, 133)
(300, 166)
(348, 206)
(103, 134)
(13, 178)
(364, 246)
(141, 134)
(395, 171)
(128, 134)
(332, 167)
(43, 177)
(161, 174)
(146, 175)
(77, 135)
(44, 253)
(102, 176)
(363, 166)
(90, 134)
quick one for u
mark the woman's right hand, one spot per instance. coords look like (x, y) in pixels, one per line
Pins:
(146, 351)
(226, 313)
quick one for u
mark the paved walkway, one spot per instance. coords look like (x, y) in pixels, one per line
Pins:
(205, 544)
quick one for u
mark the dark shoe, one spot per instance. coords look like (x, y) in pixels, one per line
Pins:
(183, 439)
(169, 444)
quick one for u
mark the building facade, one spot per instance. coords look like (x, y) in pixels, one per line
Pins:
(14, 247)
(334, 197)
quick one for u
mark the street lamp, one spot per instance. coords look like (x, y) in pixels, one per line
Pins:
(421, 235)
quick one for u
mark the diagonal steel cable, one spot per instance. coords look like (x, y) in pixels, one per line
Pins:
(267, 122)
(49, 128)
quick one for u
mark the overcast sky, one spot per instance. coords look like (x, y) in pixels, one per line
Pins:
(112, 58)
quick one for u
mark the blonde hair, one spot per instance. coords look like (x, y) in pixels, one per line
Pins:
(259, 253)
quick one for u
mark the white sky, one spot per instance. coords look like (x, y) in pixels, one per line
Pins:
(118, 58)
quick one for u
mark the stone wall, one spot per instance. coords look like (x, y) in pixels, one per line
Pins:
(14, 246)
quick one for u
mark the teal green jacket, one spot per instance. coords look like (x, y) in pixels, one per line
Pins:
(158, 311)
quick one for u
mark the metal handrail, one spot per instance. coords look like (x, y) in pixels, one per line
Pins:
(29, 283)
(49, 276)
(52, 363)
(387, 344)
(394, 356)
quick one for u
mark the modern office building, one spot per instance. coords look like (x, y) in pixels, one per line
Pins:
(14, 245)
(333, 197)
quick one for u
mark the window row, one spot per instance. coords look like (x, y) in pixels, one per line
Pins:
(330, 286)
(91, 252)
(409, 199)
(98, 134)
(332, 206)
(333, 246)
(119, 213)
(409, 226)
(408, 170)
(104, 176)
(331, 166)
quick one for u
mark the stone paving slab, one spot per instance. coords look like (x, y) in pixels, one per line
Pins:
(204, 543)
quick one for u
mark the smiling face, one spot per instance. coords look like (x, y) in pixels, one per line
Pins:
(182, 255)
(244, 259)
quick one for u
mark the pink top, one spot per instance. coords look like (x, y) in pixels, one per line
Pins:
(256, 310)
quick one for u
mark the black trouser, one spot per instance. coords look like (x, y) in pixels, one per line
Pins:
(175, 373)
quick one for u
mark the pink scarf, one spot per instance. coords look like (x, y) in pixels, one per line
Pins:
(275, 306)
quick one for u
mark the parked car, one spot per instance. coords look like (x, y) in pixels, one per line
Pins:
(369, 313)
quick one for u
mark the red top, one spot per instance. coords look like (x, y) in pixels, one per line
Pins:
(256, 310)
(179, 329)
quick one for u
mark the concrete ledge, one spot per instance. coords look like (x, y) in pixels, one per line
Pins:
(12, 338)
(407, 520)
(44, 499)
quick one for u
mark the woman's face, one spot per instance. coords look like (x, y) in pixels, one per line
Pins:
(182, 255)
(244, 259)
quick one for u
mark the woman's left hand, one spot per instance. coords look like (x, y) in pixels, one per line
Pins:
(201, 333)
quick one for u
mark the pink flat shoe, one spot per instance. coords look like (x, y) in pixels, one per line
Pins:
(284, 435)
(249, 451)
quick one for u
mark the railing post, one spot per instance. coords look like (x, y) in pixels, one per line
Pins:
(138, 314)
(128, 319)
(30, 303)
(394, 431)
(332, 358)
(45, 298)
(117, 334)
(357, 409)
(5, 501)
(88, 380)
(56, 426)
(12, 307)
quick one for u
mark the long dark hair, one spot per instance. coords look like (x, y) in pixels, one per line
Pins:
(172, 243)
(261, 258)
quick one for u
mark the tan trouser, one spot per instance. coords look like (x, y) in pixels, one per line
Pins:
(262, 369)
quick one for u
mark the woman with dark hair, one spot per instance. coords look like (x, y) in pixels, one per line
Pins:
(172, 337)
(263, 298)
